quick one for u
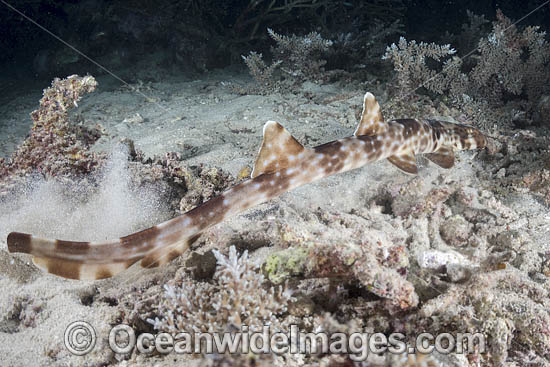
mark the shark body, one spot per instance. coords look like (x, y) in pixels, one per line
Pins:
(282, 165)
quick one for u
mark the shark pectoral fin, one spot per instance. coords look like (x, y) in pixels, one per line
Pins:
(444, 157)
(372, 122)
(405, 162)
(279, 150)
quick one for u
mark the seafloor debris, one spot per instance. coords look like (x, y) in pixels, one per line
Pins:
(55, 147)
(192, 185)
(505, 305)
(376, 260)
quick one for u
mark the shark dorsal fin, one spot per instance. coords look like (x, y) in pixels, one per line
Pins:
(405, 162)
(372, 121)
(278, 151)
(444, 157)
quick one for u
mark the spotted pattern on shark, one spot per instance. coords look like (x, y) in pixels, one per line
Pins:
(282, 164)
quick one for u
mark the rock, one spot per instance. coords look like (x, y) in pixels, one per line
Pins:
(435, 259)
(203, 265)
(458, 273)
(510, 240)
(455, 231)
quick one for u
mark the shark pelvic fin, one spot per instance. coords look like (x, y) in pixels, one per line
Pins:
(278, 151)
(444, 157)
(372, 121)
(405, 162)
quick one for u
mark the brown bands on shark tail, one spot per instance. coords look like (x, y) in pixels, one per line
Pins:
(19, 242)
(282, 164)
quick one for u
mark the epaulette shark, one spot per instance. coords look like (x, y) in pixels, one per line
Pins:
(282, 165)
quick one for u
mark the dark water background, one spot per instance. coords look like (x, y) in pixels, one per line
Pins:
(196, 36)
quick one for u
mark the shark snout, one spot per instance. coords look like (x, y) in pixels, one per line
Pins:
(469, 137)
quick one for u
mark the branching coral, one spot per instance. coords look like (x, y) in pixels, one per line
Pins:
(261, 72)
(303, 58)
(511, 61)
(471, 32)
(238, 297)
(299, 57)
(510, 72)
(409, 60)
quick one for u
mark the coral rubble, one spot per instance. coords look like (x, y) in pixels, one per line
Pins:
(55, 147)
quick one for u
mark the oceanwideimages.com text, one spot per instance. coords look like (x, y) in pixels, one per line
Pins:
(123, 339)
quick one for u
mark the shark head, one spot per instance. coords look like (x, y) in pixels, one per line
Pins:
(462, 136)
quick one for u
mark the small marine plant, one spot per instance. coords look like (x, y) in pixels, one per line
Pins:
(238, 296)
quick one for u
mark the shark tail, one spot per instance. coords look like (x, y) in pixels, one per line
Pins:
(100, 260)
